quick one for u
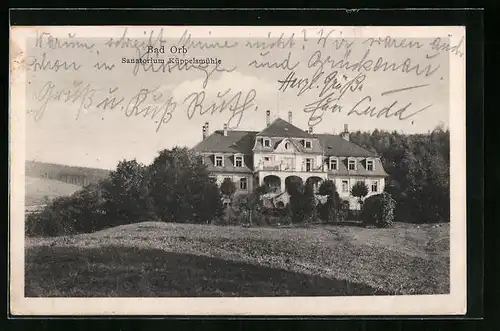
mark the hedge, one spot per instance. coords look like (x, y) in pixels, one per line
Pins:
(378, 210)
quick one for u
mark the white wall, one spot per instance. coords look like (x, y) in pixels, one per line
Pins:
(236, 179)
(351, 181)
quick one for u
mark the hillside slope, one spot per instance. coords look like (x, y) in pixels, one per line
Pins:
(65, 173)
(39, 188)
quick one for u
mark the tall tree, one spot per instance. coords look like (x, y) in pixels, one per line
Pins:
(295, 188)
(309, 203)
(182, 189)
(127, 195)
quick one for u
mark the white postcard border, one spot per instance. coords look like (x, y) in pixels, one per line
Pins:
(451, 304)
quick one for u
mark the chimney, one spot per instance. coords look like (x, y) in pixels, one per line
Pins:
(310, 130)
(345, 134)
(268, 117)
(205, 129)
(225, 130)
(290, 117)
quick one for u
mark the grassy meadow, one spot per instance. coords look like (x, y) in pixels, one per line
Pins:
(40, 189)
(168, 259)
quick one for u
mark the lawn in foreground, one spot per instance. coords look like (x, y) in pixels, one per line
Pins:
(131, 272)
(203, 260)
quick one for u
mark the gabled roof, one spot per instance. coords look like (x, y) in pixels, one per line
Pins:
(244, 141)
(296, 142)
(281, 128)
(234, 142)
(334, 145)
(360, 169)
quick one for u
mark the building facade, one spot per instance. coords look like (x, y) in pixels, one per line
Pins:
(283, 151)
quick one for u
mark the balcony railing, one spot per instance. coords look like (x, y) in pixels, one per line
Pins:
(283, 167)
(271, 167)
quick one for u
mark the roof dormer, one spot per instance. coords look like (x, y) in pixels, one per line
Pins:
(219, 160)
(333, 163)
(307, 143)
(266, 142)
(370, 164)
(352, 163)
(239, 160)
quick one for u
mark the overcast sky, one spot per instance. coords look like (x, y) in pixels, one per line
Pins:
(100, 138)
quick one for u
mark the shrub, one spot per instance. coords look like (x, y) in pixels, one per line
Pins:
(258, 218)
(340, 215)
(309, 204)
(247, 205)
(359, 190)
(296, 207)
(294, 185)
(302, 205)
(262, 189)
(331, 210)
(230, 217)
(81, 212)
(327, 187)
(283, 220)
(378, 210)
(228, 187)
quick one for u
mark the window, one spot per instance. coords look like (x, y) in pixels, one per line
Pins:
(287, 145)
(345, 186)
(309, 164)
(307, 144)
(238, 161)
(267, 158)
(219, 161)
(369, 165)
(375, 186)
(351, 164)
(243, 183)
(334, 164)
(266, 142)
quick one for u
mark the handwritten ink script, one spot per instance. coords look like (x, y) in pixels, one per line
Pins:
(161, 76)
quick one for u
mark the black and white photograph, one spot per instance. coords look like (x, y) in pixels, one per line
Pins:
(243, 170)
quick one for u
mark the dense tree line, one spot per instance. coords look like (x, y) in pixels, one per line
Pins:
(176, 187)
(419, 170)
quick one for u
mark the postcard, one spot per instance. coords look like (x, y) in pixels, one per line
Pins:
(237, 170)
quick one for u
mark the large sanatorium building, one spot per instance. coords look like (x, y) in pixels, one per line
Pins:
(282, 151)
